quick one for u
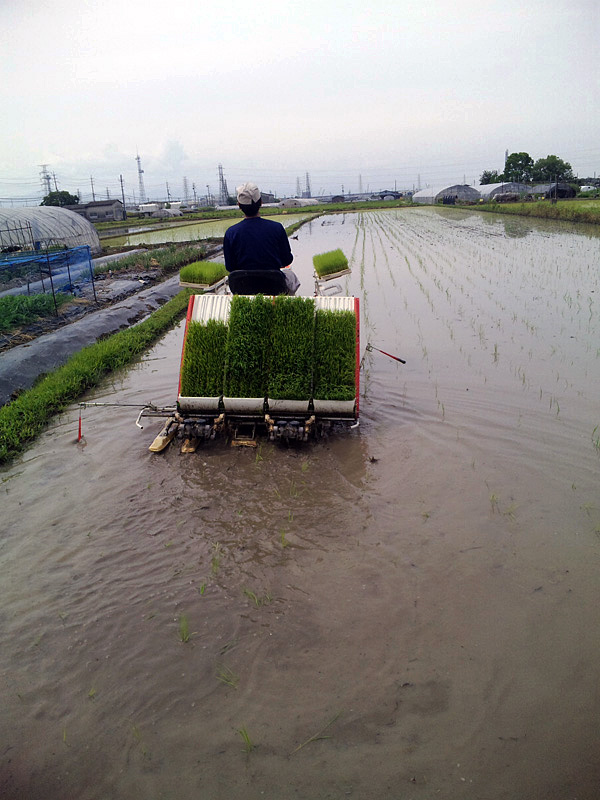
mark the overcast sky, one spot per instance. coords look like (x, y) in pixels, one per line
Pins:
(383, 92)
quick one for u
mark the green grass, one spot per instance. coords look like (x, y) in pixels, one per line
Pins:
(328, 263)
(202, 272)
(568, 210)
(335, 355)
(26, 416)
(204, 359)
(169, 259)
(23, 309)
(248, 346)
(292, 348)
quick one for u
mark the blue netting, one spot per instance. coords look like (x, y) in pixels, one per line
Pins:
(45, 271)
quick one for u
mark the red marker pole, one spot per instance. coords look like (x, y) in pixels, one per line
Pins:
(79, 434)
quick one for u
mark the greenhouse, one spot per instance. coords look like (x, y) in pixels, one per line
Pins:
(45, 227)
(489, 190)
(461, 192)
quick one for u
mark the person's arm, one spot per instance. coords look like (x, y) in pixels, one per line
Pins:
(285, 250)
(228, 253)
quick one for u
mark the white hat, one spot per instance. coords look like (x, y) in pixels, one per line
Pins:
(248, 193)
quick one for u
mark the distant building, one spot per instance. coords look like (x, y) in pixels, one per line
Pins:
(99, 210)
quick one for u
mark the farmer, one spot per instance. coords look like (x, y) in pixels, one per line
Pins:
(257, 243)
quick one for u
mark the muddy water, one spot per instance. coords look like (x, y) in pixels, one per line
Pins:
(405, 611)
(189, 232)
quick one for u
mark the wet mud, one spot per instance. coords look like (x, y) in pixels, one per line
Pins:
(408, 610)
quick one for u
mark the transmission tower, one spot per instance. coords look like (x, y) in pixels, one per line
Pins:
(223, 192)
(141, 179)
(298, 188)
(45, 178)
(360, 186)
(308, 190)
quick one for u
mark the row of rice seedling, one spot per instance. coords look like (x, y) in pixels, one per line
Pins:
(247, 349)
(278, 348)
(204, 359)
(202, 273)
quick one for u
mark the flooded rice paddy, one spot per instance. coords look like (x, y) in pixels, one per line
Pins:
(188, 232)
(409, 610)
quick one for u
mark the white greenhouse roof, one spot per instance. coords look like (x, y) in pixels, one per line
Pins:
(432, 194)
(49, 226)
(490, 189)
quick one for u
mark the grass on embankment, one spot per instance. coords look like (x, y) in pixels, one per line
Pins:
(23, 309)
(26, 416)
(168, 259)
(568, 210)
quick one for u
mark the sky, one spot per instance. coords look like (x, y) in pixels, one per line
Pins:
(372, 95)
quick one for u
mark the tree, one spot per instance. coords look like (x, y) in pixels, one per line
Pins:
(552, 168)
(490, 176)
(518, 167)
(60, 199)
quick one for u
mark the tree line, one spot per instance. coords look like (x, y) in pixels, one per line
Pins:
(521, 168)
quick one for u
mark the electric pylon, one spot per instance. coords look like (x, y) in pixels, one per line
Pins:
(141, 179)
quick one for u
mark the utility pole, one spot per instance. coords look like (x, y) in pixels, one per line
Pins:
(207, 194)
(107, 194)
(360, 184)
(55, 184)
(168, 193)
(298, 188)
(186, 193)
(92, 182)
(308, 189)
(141, 179)
(194, 191)
(123, 197)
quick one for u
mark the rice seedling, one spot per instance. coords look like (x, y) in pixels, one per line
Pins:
(184, 629)
(216, 559)
(227, 676)
(596, 438)
(283, 538)
(248, 345)
(248, 743)
(92, 693)
(203, 273)
(292, 344)
(204, 359)
(319, 735)
(330, 263)
(258, 601)
(167, 258)
(335, 355)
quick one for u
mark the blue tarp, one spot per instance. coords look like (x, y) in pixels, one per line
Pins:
(47, 270)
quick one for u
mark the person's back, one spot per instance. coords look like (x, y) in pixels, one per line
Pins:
(256, 243)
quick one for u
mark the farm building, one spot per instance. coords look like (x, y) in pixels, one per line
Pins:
(461, 192)
(489, 190)
(41, 227)
(100, 210)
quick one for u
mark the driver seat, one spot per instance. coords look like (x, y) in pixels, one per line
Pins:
(257, 281)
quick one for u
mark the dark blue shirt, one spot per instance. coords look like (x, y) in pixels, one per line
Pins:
(256, 243)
